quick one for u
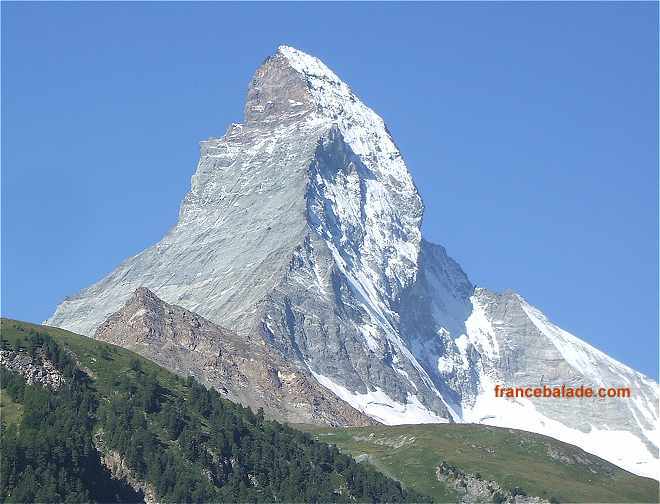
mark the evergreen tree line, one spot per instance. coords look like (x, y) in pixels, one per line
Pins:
(190, 445)
(49, 456)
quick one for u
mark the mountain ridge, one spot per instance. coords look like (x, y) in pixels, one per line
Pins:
(303, 225)
(242, 368)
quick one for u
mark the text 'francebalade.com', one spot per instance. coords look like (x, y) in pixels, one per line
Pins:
(562, 392)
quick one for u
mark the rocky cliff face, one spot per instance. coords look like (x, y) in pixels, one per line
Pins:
(37, 370)
(243, 368)
(302, 230)
(120, 470)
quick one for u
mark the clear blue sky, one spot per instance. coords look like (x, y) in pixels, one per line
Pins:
(531, 131)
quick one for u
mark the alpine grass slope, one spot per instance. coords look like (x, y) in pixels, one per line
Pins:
(491, 464)
(302, 225)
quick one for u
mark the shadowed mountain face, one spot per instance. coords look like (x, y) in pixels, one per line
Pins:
(301, 233)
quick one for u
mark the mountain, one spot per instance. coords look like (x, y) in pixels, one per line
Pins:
(84, 420)
(119, 428)
(242, 368)
(302, 228)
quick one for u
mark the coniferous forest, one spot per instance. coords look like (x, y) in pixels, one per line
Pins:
(179, 440)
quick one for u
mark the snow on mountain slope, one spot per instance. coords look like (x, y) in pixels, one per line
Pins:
(379, 406)
(506, 341)
(303, 225)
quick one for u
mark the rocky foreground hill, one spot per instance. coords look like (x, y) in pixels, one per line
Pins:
(301, 234)
(119, 428)
(243, 369)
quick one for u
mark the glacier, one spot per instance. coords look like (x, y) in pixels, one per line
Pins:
(303, 226)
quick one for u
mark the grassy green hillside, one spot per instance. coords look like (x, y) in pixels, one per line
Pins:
(103, 361)
(541, 466)
(163, 435)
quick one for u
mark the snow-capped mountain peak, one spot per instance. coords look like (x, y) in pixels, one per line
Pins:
(310, 66)
(302, 225)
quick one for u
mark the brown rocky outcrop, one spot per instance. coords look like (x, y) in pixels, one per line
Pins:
(243, 368)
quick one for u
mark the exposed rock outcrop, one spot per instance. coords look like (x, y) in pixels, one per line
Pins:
(119, 470)
(472, 488)
(241, 367)
(36, 370)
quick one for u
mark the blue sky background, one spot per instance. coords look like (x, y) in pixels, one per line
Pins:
(531, 131)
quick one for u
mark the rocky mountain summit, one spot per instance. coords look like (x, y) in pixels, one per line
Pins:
(301, 235)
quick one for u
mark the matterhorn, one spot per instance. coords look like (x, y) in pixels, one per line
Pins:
(301, 237)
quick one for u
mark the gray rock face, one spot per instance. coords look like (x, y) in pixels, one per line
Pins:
(302, 230)
(120, 470)
(242, 368)
(471, 488)
(36, 370)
